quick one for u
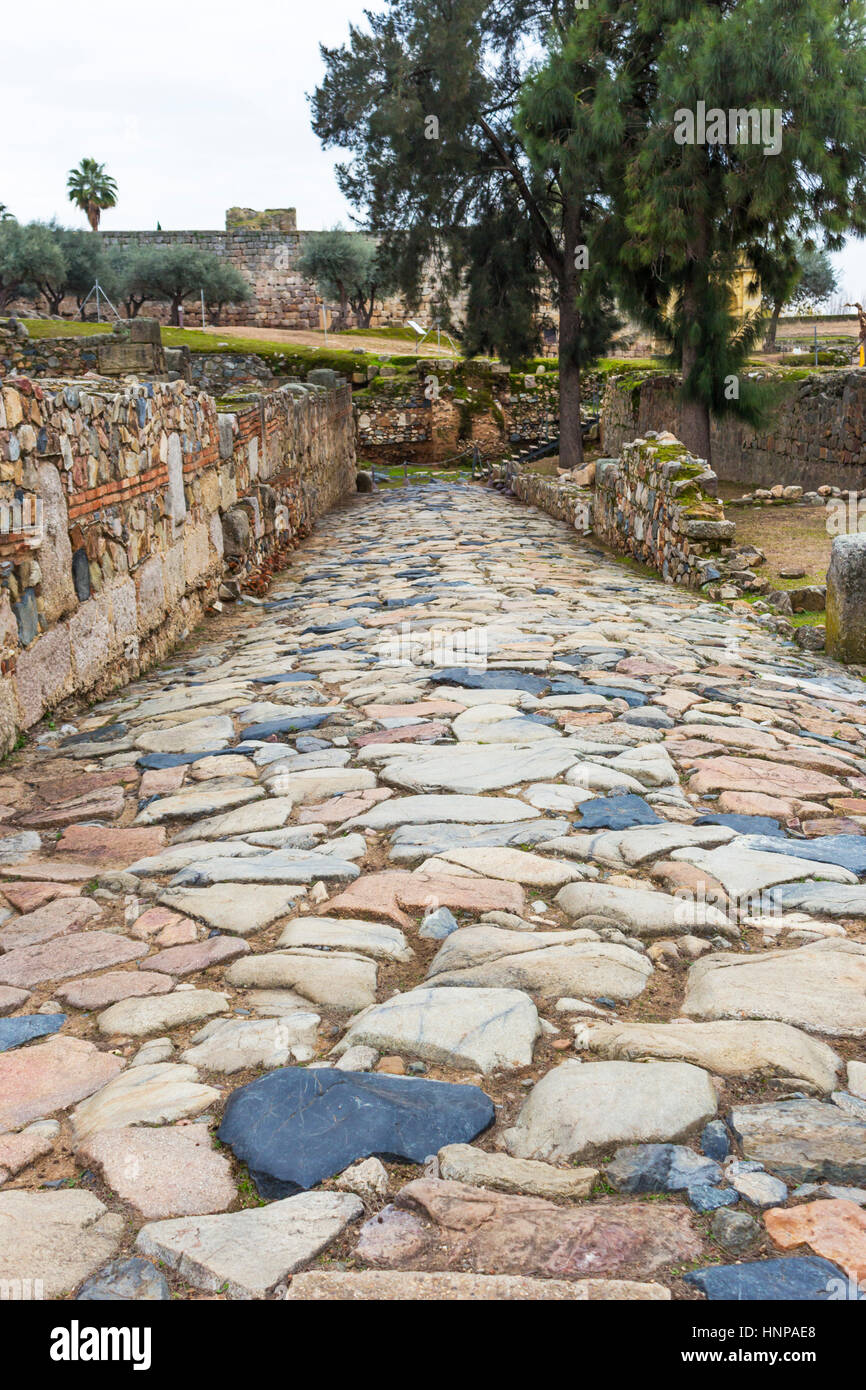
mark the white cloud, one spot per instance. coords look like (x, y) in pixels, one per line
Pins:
(192, 106)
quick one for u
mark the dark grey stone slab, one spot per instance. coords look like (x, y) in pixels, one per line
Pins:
(295, 1127)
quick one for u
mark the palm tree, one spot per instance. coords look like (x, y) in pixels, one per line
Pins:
(5, 214)
(91, 190)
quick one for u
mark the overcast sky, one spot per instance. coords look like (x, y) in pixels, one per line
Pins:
(193, 107)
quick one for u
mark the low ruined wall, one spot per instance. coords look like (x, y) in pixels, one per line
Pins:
(132, 348)
(122, 510)
(221, 372)
(817, 436)
(654, 503)
(431, 414)
(556, 496)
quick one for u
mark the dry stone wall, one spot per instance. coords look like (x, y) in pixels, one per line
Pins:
(132, 347)
(817, 436)
(123, 509)
(436, 411)
(655, 503)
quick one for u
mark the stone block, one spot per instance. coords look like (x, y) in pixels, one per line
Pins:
(43, 675)
(846, 599)
(150, 586)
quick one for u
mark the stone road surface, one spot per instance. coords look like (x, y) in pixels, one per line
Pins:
(335, 961)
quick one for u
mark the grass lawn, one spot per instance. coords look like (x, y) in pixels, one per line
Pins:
(71, 328)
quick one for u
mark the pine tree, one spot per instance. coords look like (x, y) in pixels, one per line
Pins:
(696, 206)
(426, 98)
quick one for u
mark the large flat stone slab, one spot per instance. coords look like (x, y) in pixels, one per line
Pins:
(50, 1076)
(103, 846)
(545, 963)
(743, 872)
(196, 803)
(233, 1044)
(194, 736)
(475, 1029)
(578, 1107)
(157, 1013)
(386, 1286)
(14, 1032)
(646, 842)
(430, 810)
(294, 1128)
(724, 1048)
(234, 908)
(833, 1228)
(820, 987)
(335, 979)
(77, 954)
(513, 865)
(477, 767)
(451, 1225)
(758, 774)
(468, 1164)
(277, 866)
(270, 814)
(375, 939)
(169, 1171)
(642, 911)
(99, 991)
(57, 918)
(317, 784)
(177, 856)
(797, 1279)
(803, 1140)
(50, 1241)
(821, 899)
(146, 1095)
(849, 851)
(386, 894)
(198, 955)
(246, 1253)
(410, 843)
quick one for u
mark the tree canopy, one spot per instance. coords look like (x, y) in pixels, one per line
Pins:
(425, 100)
(594, 134)
(346, 267)
(29, 254)
(173, 274)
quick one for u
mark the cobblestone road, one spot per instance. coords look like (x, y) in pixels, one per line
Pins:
(410, 929)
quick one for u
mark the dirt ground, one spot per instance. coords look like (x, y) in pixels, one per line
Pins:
(307, 337)
(788, 536)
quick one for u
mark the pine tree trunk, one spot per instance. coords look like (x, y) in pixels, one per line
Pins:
(570, 434)
(695, 416)
(772, 326)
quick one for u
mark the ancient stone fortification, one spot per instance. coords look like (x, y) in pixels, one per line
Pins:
(265, 247)
(654, 503)
(817, 435)
(122, 509)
